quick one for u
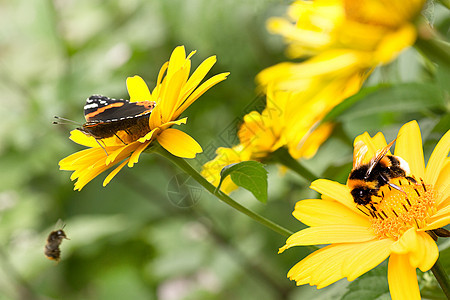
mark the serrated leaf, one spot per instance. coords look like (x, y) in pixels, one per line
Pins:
(250, 175)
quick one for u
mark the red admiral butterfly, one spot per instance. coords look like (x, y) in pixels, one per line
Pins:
(105, 117)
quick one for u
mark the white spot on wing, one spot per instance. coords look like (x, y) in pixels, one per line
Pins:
(89, 106)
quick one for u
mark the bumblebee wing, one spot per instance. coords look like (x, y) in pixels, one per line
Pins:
(378, 156)
(359, 151)
(59, 224)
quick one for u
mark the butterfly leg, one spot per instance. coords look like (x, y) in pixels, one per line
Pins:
(120, 139)
(101, 146)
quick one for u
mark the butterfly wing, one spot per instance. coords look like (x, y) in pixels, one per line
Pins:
(103, 109)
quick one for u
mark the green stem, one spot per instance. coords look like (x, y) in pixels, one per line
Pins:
(283, 157)
(183, 165)
(432, 45)
(442, 277)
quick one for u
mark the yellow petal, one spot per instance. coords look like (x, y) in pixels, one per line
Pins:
(135, 155)
(155, 117)
(435, 223)
(200, 91)
(114, 173)
(392, 44)
(325, 262)
(161, 74)
(443, 182)
(137, 89)
(442, 212)
(198, 75)
(179, 143)
(373, 145)
(88, 174)
(379, 141)
(314, 212)
(437, 159)
(402, 278)
(279, 25)
(171, 95)
(325, 266)
(313, 141)
(407, 242)
(427, 254)
(177, 122)
(191, 54)
(409, 147)
(82, 139)
(366, 257)
(120, 153)
(82, 159)
(162, 127)
(67, 162)
(176, 61)
(322, 235)
(445, 202)
(334, 190)
(156, 93)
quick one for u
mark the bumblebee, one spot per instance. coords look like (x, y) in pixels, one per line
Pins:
(365, 180)
(54, 239)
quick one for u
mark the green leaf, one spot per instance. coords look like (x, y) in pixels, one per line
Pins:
(250, 175)
(370, 286)
(407, 97)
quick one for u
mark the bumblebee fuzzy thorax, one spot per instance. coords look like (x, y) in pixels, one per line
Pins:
(54, 240)
(365, 180)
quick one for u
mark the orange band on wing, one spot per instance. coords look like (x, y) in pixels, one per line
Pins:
(147, 104)
(100, 110)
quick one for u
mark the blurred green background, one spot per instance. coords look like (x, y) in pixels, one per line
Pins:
(139, 238)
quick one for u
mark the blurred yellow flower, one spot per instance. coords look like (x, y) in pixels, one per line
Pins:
(396, 228)
(174, 92)
(377, 27)
(279, 126)
(263, 133)
(346, 39)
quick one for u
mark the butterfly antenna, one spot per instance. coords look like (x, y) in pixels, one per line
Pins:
(67, 121)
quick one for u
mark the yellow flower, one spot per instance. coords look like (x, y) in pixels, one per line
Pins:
(346, 39)
(263, 133)
(174, 92)
(284, 124)
(396, 227)
(372, 26)
(310, 142)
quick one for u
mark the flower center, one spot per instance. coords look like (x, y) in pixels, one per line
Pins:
(400, 210)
